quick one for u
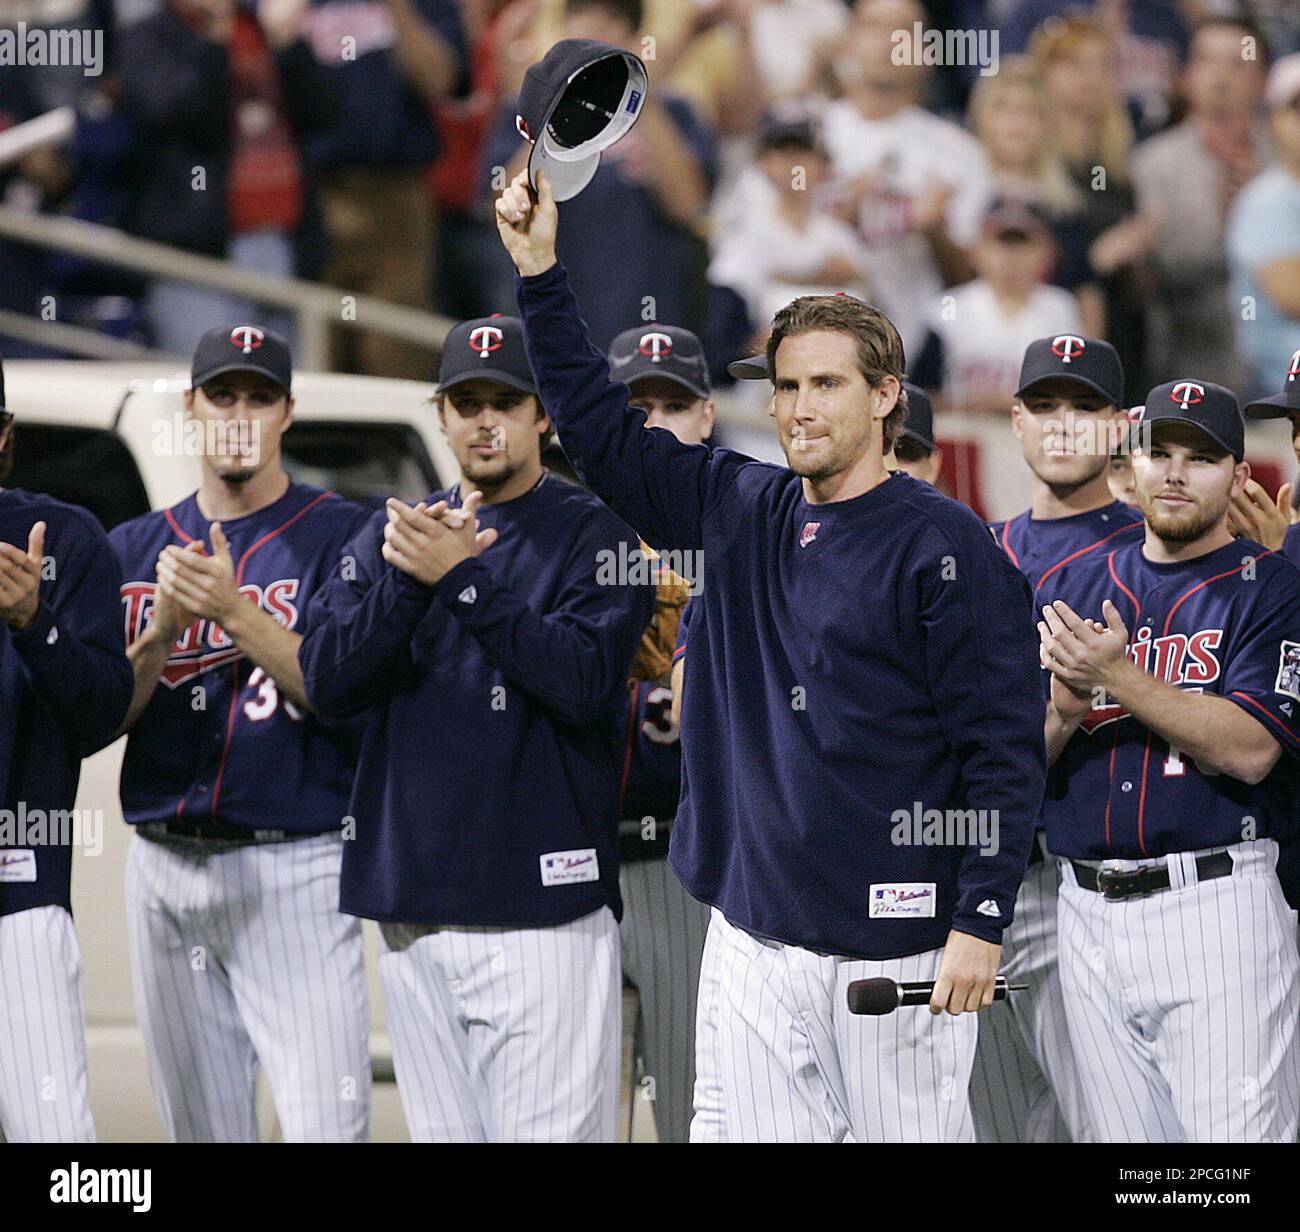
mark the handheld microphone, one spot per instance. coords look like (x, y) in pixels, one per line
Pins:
(881, 995)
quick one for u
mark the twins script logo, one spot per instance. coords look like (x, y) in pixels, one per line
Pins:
(205, 645)
(809, 533)
(1187, 660)
(655, 346)
(247, 337)
(1066, 346)
(486, 339)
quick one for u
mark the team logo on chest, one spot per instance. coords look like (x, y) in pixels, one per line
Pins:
(809, 533)
(1187, 660)
(205, 644)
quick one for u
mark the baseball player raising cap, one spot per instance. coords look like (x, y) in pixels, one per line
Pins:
(1271, 522)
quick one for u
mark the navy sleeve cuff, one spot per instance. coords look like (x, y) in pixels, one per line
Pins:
(43, 631)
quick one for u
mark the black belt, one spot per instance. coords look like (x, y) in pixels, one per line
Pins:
(221, 832)
(1113, 885)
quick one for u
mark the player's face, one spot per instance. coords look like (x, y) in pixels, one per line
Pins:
(827, 416)
(243, 417)
(669, 405)
(1067, 433)
(1119, 478)
(494, 430)
(1184, 482)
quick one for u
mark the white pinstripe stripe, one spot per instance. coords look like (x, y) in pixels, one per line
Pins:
(44, 1089)
(662, 935)
(281, 984)
(1189, 1032)
(506, 1034)
(797, 1066)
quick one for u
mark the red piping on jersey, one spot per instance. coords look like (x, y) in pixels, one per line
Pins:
(1142, 795)
(234, 667)
(627, 754)
(1092, 547)
(1265, 711)
(183, 536)
(1006, 544)
(1114, 577)
(1200, 585)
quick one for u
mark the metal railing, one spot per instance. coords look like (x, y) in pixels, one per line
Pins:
(316, 307)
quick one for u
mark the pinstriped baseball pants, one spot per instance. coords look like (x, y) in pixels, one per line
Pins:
(240, 957)
(796, 1066)
(1182, 1004)
(506, 1035)
(44, 1089)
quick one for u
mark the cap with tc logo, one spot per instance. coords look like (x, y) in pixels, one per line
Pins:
(1090, 361)
(660, 350)
(919, 425)
(1211, 408)
(486, 349)
(241, 348)
(1285, 403)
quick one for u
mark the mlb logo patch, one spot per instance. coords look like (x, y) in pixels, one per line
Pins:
(570, 867)
(809, 533)
(1288, 670)
(902, 900)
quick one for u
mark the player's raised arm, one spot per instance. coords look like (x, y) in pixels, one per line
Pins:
(657, 485)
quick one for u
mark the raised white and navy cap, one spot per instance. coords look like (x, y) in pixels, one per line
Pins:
(1090, 361)
(575, 102)
(486, 349)
(1282, 404)
(1202, 404)
(241, 348)
(660, 350)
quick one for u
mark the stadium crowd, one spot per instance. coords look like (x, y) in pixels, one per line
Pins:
(1127, 169)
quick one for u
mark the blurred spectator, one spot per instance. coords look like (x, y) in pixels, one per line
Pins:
(1014, 120)
(971, 358)
(628, 240)
(396, 60)
(915, 185)
(1076, 57)
(1218, 147)
(1263, 238)
(1150, 38)
(66, 83)
(791, 244)
(791, 39)
(220, 100)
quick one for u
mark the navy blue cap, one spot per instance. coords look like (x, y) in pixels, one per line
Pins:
(579, 99)
(660, 350)
(919, 426)
(1209, 407)
(1090, 361)
(1284, 403)
(486, 349)
(241, 348)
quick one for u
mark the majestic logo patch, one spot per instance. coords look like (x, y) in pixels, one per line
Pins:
(570, 867)
(989, 907)
(1288, 671)
(809, 533)
(902, 900)
(468, 595)
(247, 338)
(1066, 346)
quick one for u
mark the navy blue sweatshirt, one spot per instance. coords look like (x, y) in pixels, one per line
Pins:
(65, 684)
(850, 663)
(487, 787)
